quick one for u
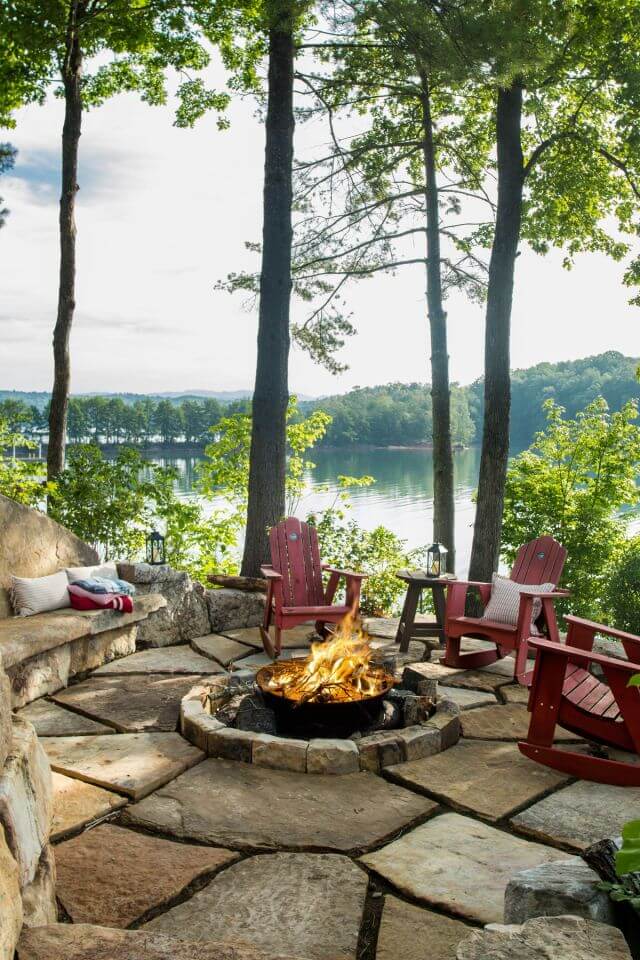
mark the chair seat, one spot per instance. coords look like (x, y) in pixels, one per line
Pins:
(479, 623)
(316, 613)
(588, 693)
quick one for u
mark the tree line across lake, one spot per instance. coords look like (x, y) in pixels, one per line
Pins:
(393, 414)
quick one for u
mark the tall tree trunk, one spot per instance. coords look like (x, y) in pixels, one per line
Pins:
(71, 76)
(485, 551)
(267, 469)
(443, 498)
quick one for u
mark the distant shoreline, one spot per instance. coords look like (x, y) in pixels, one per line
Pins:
(172, 450)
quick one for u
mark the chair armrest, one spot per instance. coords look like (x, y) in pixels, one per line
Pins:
(270, 574)
(582, 633)
(576, 653)
(344, 573)
(542, 595)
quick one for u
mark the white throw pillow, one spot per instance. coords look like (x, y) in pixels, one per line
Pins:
(39, 594)
(107, 570)
(504, 602)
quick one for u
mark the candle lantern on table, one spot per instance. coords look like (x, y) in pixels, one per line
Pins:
(436, 560)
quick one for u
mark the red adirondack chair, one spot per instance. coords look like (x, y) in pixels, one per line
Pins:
(295, 591)
(565, 692)
(540, 561)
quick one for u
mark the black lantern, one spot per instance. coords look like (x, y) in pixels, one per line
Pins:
(155, 548)
(436, 560)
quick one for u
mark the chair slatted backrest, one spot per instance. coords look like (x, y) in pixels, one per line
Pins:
(539, 561)
(295, 555)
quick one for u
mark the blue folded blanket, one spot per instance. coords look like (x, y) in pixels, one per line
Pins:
(105, 585)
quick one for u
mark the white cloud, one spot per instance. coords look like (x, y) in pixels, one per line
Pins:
(164, 213)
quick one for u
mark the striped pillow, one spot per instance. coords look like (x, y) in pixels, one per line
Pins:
(504, 603)
(39, 594)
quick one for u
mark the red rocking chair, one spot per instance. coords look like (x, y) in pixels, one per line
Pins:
(565, 692)
(295, 591)
(537, 562)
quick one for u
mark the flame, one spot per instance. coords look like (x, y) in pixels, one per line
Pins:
(336, 670)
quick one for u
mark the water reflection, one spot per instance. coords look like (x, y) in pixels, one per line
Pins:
(401, 498)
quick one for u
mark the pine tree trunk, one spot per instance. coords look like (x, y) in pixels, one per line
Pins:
(443, 496)
(267, 469)
(485, 551)
(71, 76)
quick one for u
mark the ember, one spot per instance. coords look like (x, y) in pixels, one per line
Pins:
(337, 671)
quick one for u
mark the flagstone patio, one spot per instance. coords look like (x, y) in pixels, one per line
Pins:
(164, 847)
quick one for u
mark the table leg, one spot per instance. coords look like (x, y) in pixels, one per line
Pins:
(408, 617)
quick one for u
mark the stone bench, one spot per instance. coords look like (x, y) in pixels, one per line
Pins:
(41, 653)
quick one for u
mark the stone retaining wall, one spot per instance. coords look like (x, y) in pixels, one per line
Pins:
(27, 867)
(192, 611)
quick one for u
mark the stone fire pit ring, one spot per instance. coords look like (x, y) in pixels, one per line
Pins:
(372, 752)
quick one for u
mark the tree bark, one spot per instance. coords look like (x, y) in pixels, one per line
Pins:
(267, 468)
(71, 77)
(443, 495)
(485, 551)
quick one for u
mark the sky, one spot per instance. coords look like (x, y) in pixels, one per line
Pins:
(164, 213)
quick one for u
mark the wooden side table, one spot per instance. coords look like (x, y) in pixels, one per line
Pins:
(416, 582)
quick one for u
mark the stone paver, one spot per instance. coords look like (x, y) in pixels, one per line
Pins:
(457, 864)
(477, 680)
(76, 803)
(87, 942)
(178, 659)
(580, 815)
(112, 876)
(467, 699)
(51, 720)
(256, 660)
(286, 902)
(490, 779)
(507, 721)
(412, 933)
(131, 763)
(300, 636)
(514, 693)
(241, 805)
(546, 938)
(224, 650)
(131, 704)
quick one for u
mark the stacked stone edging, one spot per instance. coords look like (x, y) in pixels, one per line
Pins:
(27, 868)
(373, 752)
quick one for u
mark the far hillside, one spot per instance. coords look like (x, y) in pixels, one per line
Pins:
(395, 414)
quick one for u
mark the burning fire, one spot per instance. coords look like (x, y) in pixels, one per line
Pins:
(337, 670)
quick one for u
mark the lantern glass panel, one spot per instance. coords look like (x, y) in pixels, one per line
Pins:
(436, 560)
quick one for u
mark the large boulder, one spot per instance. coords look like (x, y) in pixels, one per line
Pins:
(557, 888)
(39, 897)
(234, 609)
(26, 800)
(10, 901)
(546, 938)
(5, 715)
(185, 616)
(33, 545)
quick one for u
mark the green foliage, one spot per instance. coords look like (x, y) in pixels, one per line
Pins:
(628, 857)
(113, 504)
(379, 553)
(623, 591)
(21, 480)
(571, 483)
(130, 46)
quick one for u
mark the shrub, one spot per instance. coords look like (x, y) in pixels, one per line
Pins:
(572, 484)
(623, 590)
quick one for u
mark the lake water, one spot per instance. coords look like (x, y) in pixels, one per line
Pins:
(400, 499)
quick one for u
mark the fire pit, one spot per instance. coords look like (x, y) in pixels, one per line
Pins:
(335, 691)
(345, 707)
